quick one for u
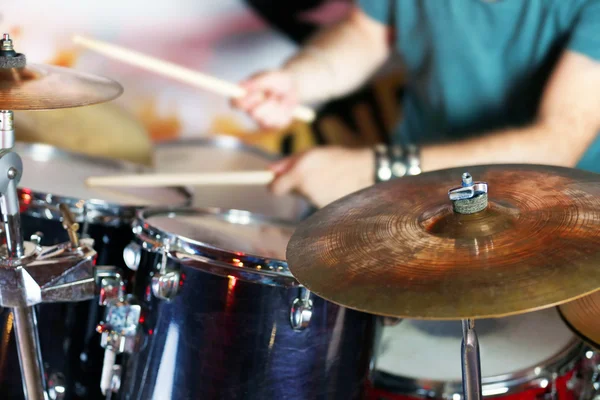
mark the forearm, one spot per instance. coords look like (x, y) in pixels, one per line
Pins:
(338, 59)
(536, 144)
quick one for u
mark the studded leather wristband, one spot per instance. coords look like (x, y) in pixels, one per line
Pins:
(396, 161)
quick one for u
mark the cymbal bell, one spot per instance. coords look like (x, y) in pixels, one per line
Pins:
(398, 248)
(44, 87)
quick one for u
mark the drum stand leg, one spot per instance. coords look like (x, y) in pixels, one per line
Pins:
(471, 364)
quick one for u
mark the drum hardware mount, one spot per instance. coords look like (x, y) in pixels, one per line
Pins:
(470, 197)
(119, 332)
(301, 310)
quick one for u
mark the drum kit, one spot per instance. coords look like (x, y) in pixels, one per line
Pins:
(176, 293)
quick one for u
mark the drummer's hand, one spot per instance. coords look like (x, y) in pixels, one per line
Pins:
(324, 174)
(270, 98)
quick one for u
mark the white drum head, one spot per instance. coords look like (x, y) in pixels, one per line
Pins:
(51, 171)
(234, 231)
(222, 155)
(431, 350)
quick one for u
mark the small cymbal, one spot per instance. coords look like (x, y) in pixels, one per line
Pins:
(44, 87)
(398, 249)
(583, 317)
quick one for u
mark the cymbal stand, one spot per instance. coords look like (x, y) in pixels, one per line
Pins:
(471, 364)
(471, 197)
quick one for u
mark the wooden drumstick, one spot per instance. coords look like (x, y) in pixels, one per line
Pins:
(183, 179)
(174, 71)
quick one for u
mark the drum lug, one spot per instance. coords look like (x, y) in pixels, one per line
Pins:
(112, 287)
(165, 286)
(301, 311)
(131, 255)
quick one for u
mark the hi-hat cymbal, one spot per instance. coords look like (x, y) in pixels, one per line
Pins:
(44, 87)
(398, 249)
(583, 317)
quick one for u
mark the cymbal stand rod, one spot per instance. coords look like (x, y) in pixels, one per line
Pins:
(26, 330)
(30, 357)
(471, 364)
(11, 168)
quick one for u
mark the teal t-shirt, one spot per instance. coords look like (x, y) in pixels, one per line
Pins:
(480, 65)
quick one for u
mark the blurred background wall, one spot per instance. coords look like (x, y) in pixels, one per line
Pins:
(230, 39)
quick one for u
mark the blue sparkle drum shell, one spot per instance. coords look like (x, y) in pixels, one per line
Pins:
(227, 333)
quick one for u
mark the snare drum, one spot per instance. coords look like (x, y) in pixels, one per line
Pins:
(223, 318)
(70, 346)
(222, 154)
(522, 358)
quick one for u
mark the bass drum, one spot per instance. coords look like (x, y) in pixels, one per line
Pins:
(70, 346)
(526, 357)
(220, 154)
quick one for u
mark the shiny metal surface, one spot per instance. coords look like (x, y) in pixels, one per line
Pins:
(471, 364)
(119, 332)
(7, 43)
(468, 189)
(112, 286)
(44, 87)
(165, 285)
(30, 358)
(13, 233)
(131, 255)
(404, 252)
(244, 245)
(7, 129)
(225, 153)
(301, 311)
(9, 202)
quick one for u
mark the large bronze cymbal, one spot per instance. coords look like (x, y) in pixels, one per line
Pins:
(583, 317)
(44, 87)
(398, 249)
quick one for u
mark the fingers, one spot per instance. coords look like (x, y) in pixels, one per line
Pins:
(272, 112)
(287, 175)
(283, 165)
(250, 101)
(284, 184)
(269, 100)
